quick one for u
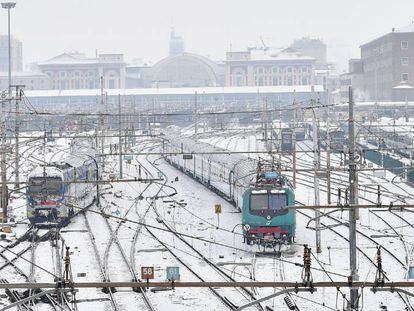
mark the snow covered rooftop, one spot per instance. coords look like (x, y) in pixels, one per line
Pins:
(274, 55)
(69, 58)
(409, 28)
(179, 91)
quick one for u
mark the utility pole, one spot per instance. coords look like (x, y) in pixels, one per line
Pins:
(17, 130)
(352, 200)
(4, 199)
(120, 137)
(9, 6)
(265, 125)
(280, 130)
(294, 142)
(102, 123)
(316, 165)
(328, 158)
(4, 190)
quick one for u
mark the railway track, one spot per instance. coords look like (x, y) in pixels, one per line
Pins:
(14, 295)
(359, 249)
(114, 241)
(246, 294)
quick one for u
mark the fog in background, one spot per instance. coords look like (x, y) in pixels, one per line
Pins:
(140, 29)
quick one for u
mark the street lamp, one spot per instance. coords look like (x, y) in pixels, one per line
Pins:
(8, 6)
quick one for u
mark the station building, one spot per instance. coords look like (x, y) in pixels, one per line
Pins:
(269, 68)
(77, 71)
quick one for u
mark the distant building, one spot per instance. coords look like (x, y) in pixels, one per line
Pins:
(176, 44)
(76, 71)
(186, 70)
(315, 48)
(30, 80)
(387, 62)
(354, 77)
(266, 67)
(16, 54)
(137, 74)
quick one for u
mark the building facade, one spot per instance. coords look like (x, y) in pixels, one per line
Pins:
(186, 70)
(76, 71)
(387, 62)
(16, 54)
(268, 68)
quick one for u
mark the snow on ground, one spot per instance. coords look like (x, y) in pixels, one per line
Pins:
(219, 240)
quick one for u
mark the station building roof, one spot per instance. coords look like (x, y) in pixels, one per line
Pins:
(179, 91)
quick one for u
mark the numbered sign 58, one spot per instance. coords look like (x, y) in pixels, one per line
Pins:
(147, 273)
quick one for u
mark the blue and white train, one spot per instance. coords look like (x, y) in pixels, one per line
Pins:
(56, 190)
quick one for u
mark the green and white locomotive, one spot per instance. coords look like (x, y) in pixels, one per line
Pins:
(258, 190)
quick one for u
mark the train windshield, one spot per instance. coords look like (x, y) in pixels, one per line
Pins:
(45, 186)
(261, 201)
(277, 201)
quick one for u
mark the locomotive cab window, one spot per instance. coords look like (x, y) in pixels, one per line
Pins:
(49, 185)
(277, 201)
(259, 202)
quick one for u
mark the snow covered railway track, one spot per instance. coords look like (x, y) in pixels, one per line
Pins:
(245, 294)
(396, 234)
(112, 239)
(114, 304)
(359, 249)
(16, 296)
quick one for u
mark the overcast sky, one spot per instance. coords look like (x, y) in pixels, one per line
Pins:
(140, 29)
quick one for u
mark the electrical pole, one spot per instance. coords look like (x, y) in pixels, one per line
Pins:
(17, 130)
(120, 137)
(328, 158)
(265, 125)
(352, 200)
(316, 165)
(4, 190)
(8, 6)
(294, 143)
(4, 199)
(102, 123)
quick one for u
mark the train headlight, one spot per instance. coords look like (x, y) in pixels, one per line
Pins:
(268, 217)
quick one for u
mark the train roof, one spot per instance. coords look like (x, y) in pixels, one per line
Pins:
(51, 171)
(82, 150)
(236, 162)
